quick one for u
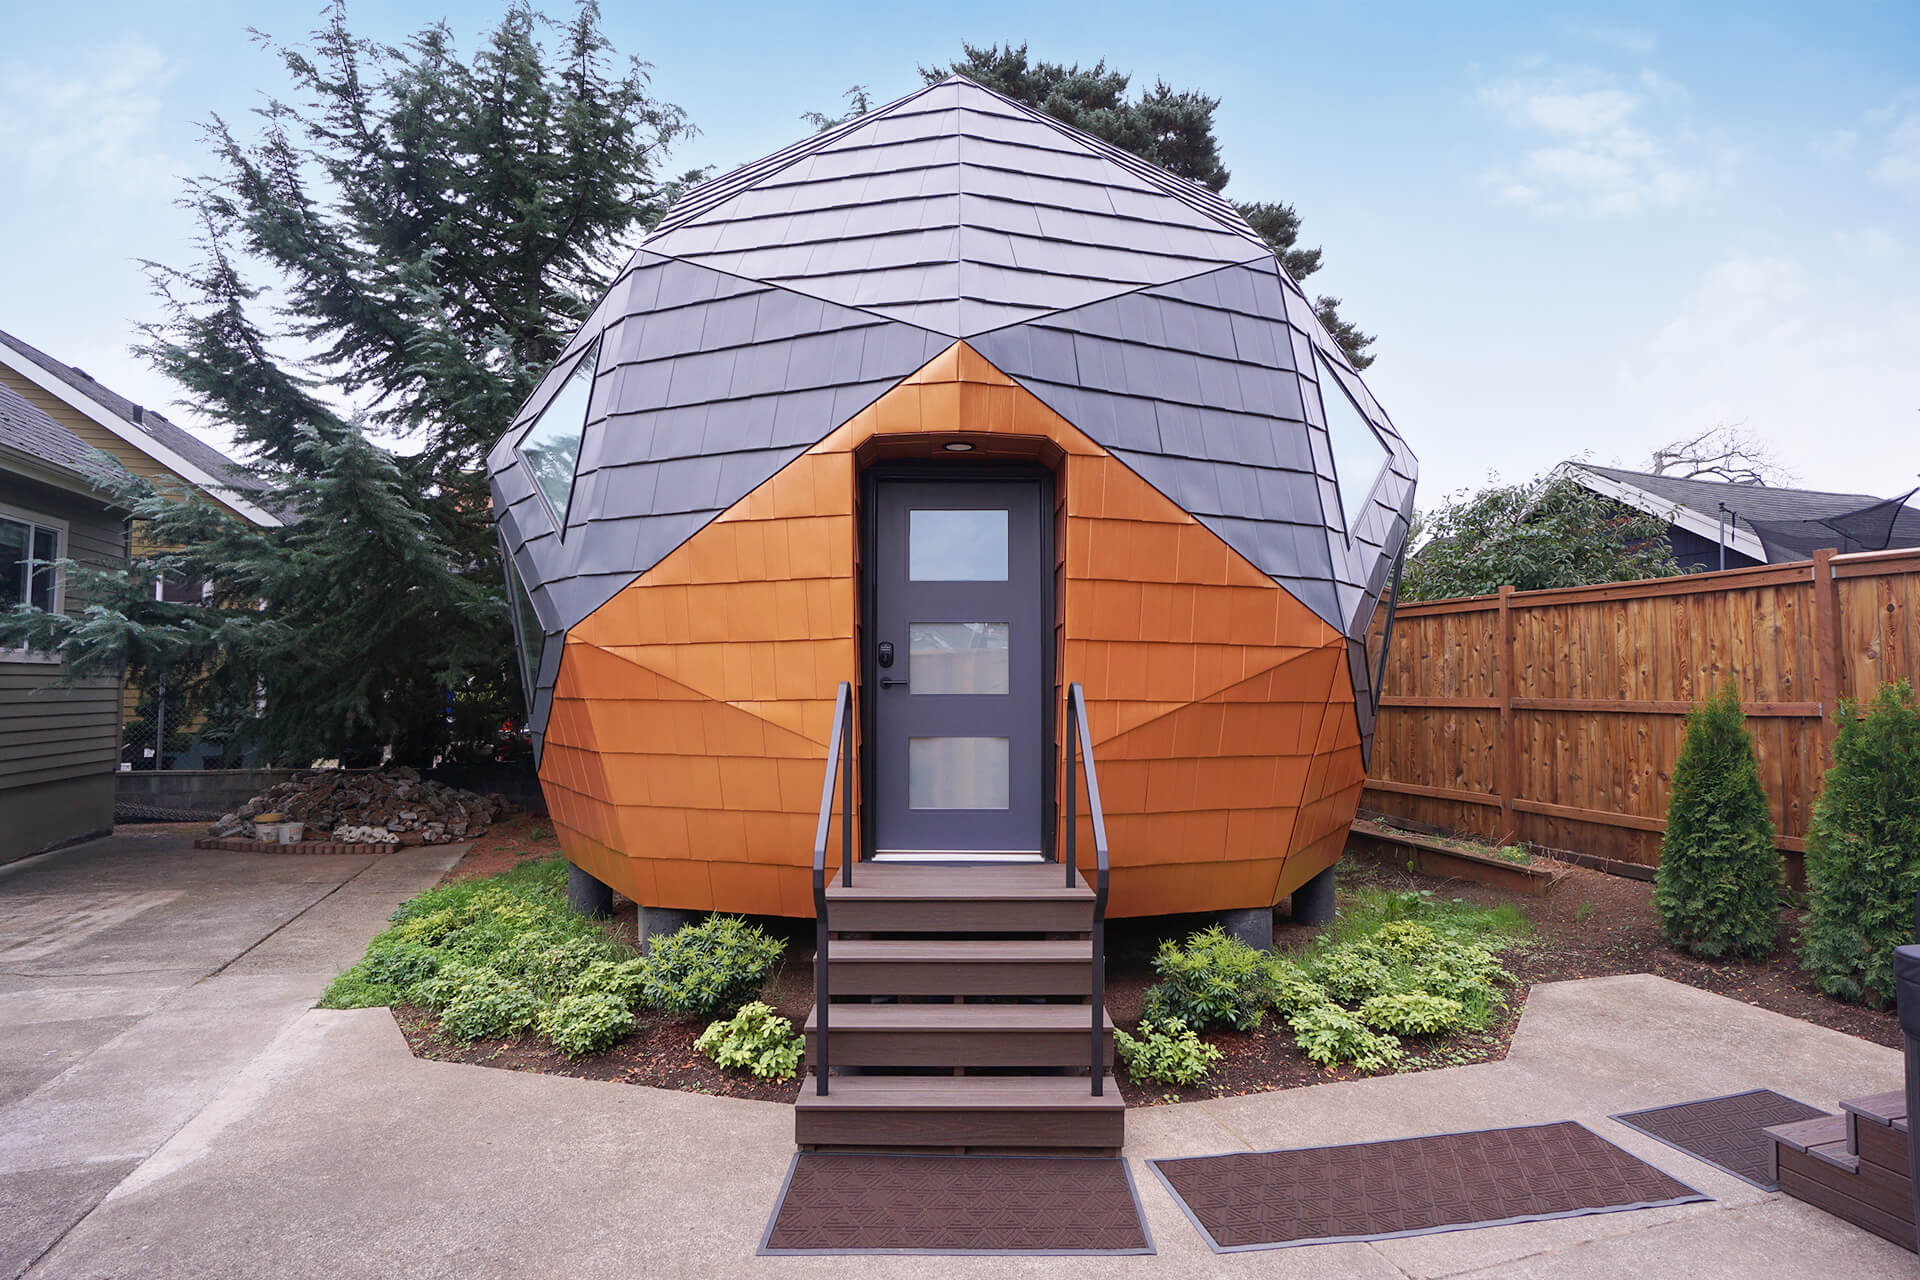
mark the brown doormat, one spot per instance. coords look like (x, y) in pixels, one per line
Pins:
(857, 1202)
(1412, 1186)
(1726, 1132)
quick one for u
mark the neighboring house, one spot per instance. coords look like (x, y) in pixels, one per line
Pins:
(966, 409)
(1762, 524)
(59, 740)
(147, 444)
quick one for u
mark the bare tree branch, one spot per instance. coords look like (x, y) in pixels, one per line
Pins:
(1726, 451)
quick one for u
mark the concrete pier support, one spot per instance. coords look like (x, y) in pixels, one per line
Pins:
(658, 922)
(1252, 925)
(1313, 901)
(586, 895)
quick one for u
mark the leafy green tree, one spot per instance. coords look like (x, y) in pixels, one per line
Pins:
(1863, 850)
(1546, 533)
(1717, 888)
(432, 230)
(1170, 127)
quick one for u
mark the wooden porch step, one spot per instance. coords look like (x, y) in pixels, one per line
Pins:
(941, 898)
(1822, 1138)
(962, 1035)
(961, 1113)
(967, 967)
(1820, 1162)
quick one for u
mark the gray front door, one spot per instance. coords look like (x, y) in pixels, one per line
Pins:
(957, 661)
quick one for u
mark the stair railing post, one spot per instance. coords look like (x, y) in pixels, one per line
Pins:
(1073, 792)
(846, 797)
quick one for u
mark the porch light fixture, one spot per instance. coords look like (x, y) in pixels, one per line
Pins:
(958, 446)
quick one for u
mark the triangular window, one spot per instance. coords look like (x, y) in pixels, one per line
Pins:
(551, 446)
(1358, 451)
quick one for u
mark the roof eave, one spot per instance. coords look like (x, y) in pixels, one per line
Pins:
(1689, 518)
(52, 474)
(223, 493)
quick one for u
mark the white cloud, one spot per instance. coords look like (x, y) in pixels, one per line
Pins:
(1875, 244)
(1818, 363)
(1597, 147)
(1899, 164)
(99, 126)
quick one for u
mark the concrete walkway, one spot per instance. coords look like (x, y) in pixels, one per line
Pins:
(336, 1153)
(138, 978)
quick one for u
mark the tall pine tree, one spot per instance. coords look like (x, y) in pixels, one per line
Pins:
(402, 244)
(1171, 127)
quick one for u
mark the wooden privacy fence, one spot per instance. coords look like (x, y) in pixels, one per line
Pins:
(1555, 717)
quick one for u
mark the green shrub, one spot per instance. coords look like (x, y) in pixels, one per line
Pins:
(1863, 850)
(477, 1003)
(351, 990)
(754, 1039)
(1167, 1052)
(1329, 1035)
(401, 964)
(552, 962)
(708, 968)
(1353, 972)
(1292, 989)
(588, 1023)
(624, 980)
(1214, 981)
(1413, 1013)
(1718, 884)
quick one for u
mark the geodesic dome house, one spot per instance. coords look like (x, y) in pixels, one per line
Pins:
(960, 405)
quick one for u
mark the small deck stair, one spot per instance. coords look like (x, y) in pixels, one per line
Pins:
(1853, 1165)
(960, 1015)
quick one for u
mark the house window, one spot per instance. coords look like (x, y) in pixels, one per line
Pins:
(28, 549)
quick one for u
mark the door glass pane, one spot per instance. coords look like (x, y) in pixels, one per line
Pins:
(958, 657)
(957, 546)
(957, 773)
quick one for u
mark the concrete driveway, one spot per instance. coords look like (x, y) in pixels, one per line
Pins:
(138, 977)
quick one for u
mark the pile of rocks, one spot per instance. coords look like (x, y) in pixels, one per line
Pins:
(391, 806)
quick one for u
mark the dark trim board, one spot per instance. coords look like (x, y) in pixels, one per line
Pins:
(766, 1250)
(962, 469)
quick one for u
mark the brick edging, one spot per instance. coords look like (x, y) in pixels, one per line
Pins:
(234, 844)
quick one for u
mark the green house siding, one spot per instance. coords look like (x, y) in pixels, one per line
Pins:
(59, 742)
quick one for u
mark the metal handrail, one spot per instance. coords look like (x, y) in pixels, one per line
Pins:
(839, 762)
(1078, 731)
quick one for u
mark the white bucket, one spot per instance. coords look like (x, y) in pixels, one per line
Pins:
(290, 832)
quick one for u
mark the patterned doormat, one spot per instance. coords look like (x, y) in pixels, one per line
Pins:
(1412, 1186)
(1726, 1132)
(855, 1202)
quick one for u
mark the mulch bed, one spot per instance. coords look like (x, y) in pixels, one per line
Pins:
(1594, 925)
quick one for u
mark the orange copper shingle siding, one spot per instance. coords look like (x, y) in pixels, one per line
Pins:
(684, 757)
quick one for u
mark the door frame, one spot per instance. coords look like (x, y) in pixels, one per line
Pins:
(958, 469)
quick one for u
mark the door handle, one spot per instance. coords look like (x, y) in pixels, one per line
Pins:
(887, 682)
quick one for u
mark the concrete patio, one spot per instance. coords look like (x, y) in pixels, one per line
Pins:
(138, 978)
(335, 1152)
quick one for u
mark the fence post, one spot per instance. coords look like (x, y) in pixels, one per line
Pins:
(1826, 647)
(1505, 756)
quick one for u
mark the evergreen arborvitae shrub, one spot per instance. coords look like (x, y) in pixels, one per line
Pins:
(1863, 850)
(1718, 885)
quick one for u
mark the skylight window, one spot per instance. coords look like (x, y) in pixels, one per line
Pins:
(551, 446)
(1358, 451)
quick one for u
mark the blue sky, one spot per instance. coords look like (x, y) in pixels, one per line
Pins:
(1575, 231)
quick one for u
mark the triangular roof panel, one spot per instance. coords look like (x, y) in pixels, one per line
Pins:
(956, 210)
